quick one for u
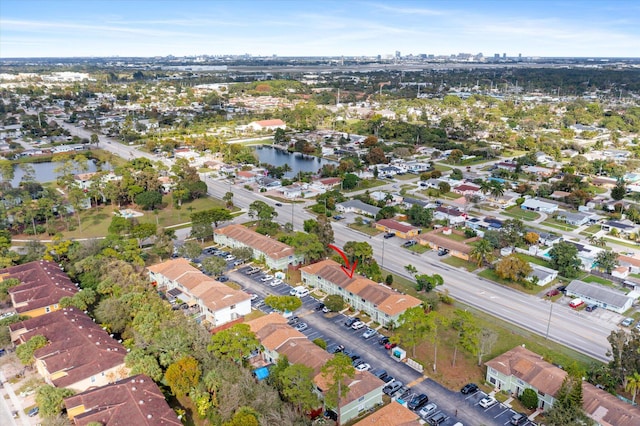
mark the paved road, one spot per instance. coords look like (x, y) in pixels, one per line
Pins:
(578, 331)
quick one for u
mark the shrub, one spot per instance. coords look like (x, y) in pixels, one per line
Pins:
(320, 342)
(529, 398)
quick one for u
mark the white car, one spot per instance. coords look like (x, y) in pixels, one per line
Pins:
(369, 332)
(363, 367)
(427, 410)
(487, 401)
(357, 325)
(275, 282)
(266, 278)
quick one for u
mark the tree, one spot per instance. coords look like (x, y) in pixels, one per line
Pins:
(283, 303)
(298, 387)
(183, 375)
(307, 245)
(513, 268)
(336, 371)
(334, 302)
(529, 398)
(350, 181)
(412, 329)
(228, 199)
(262, 211)
(567, 409)
(214, 265)
(607, 260)
(190, 250)
(234, 343)
(532, 238)
(455, 155)
(148, 200)
(512, 232)
(436, 321)
(564, 258)
(25, 351)
(633, 385)
(482, 252)
(320, 342)
(142, 363)
(419, 216)
(619, 191)
(50, 399)
(444, 187)
(468, 332)
(142, 231)
(428, 282)
(497, 189)
(243, 253)
(244, 416)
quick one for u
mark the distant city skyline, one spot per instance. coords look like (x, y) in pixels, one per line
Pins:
(144, 28)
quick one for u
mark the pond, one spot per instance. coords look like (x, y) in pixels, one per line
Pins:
(45, 172)
(298, 162)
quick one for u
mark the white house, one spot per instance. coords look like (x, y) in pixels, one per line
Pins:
(539, 206)
(541, 275)
(596, 294)
(270, 125)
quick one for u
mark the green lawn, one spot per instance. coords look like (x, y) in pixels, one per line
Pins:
(441, 167)
(460, 263)
(491, 275)
(518, 213)
(407, 176)
(364, 228)
(595, 279)
(558, 225)
(533, 259)
(419, 248)
(622, 243)
(367, 184)
(592, 229)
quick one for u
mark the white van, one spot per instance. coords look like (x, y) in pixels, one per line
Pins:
(299, 291)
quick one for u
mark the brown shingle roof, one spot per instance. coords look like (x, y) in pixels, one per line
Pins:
(394, 224)
(606, 409)
(270, 247)
(389, 301)
(43, 284)
(77, 345)
(530, 368)
(136, 400)
(444, 242)
(392, 414)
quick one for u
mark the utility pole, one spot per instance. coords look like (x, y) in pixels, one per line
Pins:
(546, 336)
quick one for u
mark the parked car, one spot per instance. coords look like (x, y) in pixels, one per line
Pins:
(389, 235)
(428, 410)
(383, 340)
(319, 306)
(392, 388)
(357, 325)
(442, 252)
(301, 326)
(223, 278)
(553, 292)
(469, 388)
(562, 289)
(518, 419)
(576, 303)
(388, 379)
(275, 282)
(238, 262)
(335, 349)
(33, 412)
(410, 243)
(369, 332)
(293, 320)
(487, 401)
(627, 322)
(379, 373)
(438, 419)
(266, 278)
(338, 217)
(591, 308)
(390, 345)
(418, 401)
(349, 322)
(325, 310)
(363, 367)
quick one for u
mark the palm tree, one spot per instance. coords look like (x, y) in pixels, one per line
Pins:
(485, 186)
(633, 385)
(482, 252)
(497, 189)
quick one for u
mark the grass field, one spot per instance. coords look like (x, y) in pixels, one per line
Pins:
(518, 213)
(367, 184)
(441, 167)
(491, 275)
(460, 263)
(534, 259)
(622, 243)
(364, 229)
(558, 225)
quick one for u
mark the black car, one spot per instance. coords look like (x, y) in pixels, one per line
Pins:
(349, 322)
(278, 204)
(383, 340)
(418, 401)
(469, 388)
(223, 278)
(562, 288)
(379, 373)
(319, 307)
(335, 349)
(331, 415)
(389, 235)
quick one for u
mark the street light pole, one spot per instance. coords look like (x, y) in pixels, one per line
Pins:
(546, 336)
(382, 261)
(292, 204)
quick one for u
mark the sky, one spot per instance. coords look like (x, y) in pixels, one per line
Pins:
(85, 28)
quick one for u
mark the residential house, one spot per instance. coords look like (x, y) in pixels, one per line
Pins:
(519, 369)
(83, 180)
(135, 400)
(623, 228)
(292, 191)
(326, 184)
(540, 172)
(410, 202)
(539, 206)
(575, 219)
(631, 262)
(276, 255)
(546, 238)
(392, 414)
(541, 275)
(452, 215)
(383, 304)
(620, 272)
(400, 229)
(604, 182)
(542, 158)
(606, 409)
(599, 295)
(468, 189)
(42, 285)
(505, 165)
(437, 241)
(417, 167)
(280, 339)
(357, 206)
(268, 183)
(218, 303)
(246, 176)
(267, 125)
(78, 355)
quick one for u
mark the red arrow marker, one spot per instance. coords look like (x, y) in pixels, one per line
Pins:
(345, 269)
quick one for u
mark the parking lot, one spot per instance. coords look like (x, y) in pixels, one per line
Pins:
(331, 327)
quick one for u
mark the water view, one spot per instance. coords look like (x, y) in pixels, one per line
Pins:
(297, 161)
(45, 172)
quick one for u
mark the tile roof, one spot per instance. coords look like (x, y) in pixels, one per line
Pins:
(392, 414)
(270, 247)
(530, 368)
(606, 409)
(361, 384)
(213, 294)
(269, 123)
(394, 224)
(631, 260)
(387, 300)
(77, 345)
(136, 400)
(42, 284)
